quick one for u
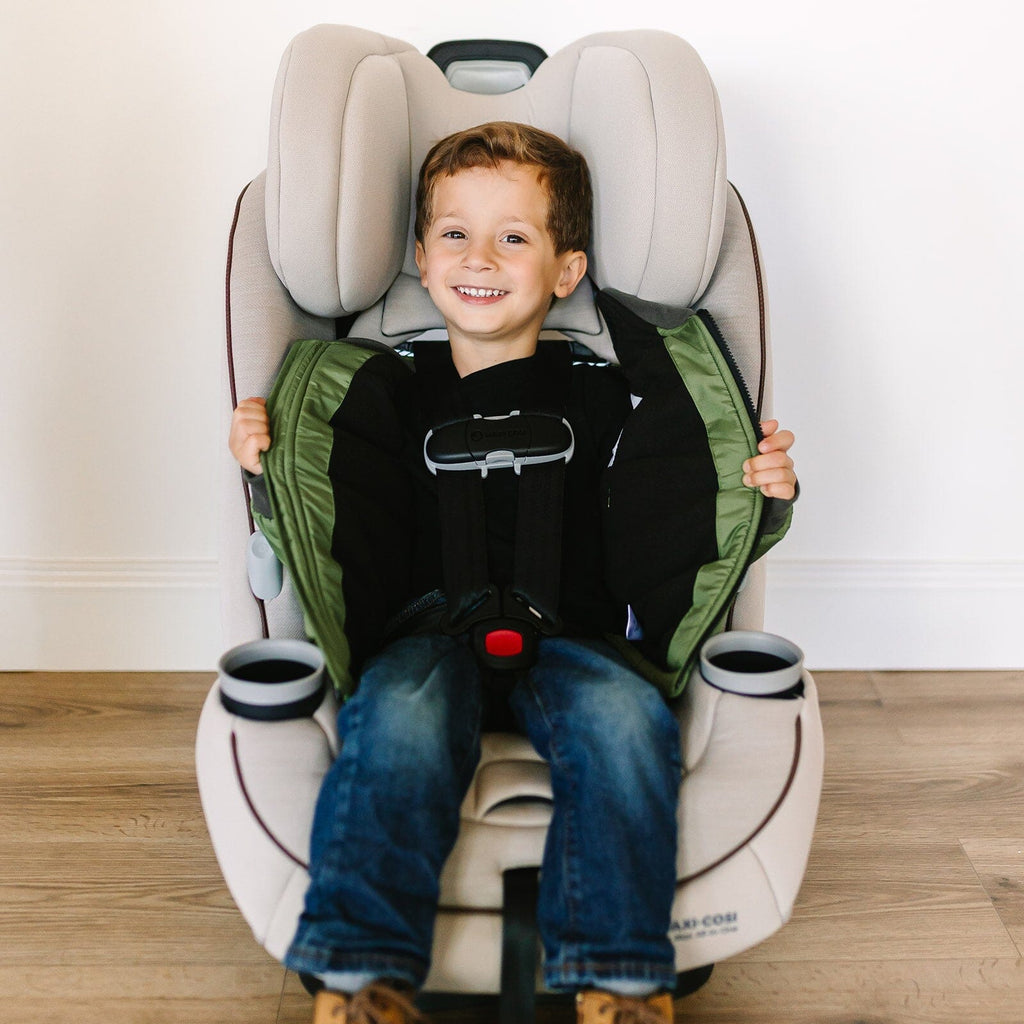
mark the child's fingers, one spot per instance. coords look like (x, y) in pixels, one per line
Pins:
(772, 470)
(252, 410)
(250, 433)
(251, 407)
(768, 475)
(769, 460)
(772, 473)
(773, 483)
(257, 442)
(784, 490)
(777, 440)
(246, 451)
(246, 426)
(250, 460)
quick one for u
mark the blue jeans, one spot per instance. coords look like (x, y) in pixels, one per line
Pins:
(388, 813)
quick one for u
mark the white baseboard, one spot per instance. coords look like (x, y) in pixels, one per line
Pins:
(164, 615)
(101, 614)
(894, 614)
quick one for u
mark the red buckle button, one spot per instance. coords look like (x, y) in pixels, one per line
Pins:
(503, 643)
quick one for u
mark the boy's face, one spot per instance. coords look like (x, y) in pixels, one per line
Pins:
(489, 263)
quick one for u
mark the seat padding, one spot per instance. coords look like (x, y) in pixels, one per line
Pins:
(276, 770)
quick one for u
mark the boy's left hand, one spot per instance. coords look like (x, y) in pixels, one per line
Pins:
(772, 470)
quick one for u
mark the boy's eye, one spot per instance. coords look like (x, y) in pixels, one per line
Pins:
(453, 233)
(513, 238)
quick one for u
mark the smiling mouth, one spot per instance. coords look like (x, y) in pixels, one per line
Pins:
(480, 293)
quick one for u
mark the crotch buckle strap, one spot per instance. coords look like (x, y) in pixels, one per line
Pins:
(503, 628)
(483, 443)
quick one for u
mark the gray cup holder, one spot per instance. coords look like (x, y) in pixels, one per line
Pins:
(271, 680)
(754, 664)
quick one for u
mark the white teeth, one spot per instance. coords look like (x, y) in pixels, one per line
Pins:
(480, 293)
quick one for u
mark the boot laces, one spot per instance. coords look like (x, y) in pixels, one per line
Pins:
(378, 1004)
(629, 1011)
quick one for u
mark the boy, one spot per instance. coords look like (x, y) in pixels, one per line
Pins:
(503, 222)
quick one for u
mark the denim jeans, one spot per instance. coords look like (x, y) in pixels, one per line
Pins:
(388, 813)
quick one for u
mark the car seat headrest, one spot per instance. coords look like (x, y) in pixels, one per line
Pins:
(355, 112)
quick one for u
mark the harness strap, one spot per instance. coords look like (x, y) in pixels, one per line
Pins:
(536, 576)
(504, 624)
(463, 542)
(461, 449)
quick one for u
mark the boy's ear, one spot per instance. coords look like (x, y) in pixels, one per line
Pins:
(574, 266)
(421, 263)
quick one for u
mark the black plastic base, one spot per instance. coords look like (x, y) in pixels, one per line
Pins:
(519, 949)
(687, 982)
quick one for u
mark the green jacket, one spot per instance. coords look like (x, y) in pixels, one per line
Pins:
(676, 476)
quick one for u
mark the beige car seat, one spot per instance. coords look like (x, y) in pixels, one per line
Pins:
(321, 247)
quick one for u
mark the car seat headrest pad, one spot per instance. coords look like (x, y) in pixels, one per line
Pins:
(355, 112)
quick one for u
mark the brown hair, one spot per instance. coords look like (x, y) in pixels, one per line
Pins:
(561, 169)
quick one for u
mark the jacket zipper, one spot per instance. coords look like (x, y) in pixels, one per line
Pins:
(709, 322)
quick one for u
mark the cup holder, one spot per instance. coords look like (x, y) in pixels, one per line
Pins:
(272, 680)
(753, 664)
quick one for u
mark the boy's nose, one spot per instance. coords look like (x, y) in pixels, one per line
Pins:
(479, 256)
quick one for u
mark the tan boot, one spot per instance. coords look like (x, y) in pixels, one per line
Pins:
(598, 1007)
(375, 1004)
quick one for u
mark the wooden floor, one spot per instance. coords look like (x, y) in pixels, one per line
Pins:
(112, 908)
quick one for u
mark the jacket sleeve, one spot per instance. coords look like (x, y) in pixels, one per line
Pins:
(778, 515)
(258, 493)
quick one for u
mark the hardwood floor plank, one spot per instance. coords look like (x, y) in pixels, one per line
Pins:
(142, 981)
(206, 1008)
(54, 933)
(1000, 867)
(850, 922)
(118, 806)
(907, 896)
(846, 686)
(142, 903)
(927, 688)
(953, 991)
(296, 1006)
(864, 861)
(894, 759)
(852, 710)
(65, 726)
(967, 707)
(141, 994)
(921, 792)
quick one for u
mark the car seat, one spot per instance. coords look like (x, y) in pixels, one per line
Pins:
(321, 247)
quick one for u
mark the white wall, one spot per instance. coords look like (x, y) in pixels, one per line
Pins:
(878, 147)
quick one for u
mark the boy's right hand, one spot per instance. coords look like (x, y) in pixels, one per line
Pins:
(250, 433)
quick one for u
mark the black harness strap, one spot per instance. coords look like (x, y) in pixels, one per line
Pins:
(460, 450)
(505, 624)
(463, 543)
(536, 575)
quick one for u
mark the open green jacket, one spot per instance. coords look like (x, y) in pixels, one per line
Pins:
(680, 526)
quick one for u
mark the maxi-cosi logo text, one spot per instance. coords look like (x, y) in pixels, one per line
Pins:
(493, 434)
(701, 927)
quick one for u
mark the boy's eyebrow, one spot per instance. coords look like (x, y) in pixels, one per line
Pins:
(514, 218)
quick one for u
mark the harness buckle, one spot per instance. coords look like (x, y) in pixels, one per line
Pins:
(483, 443)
